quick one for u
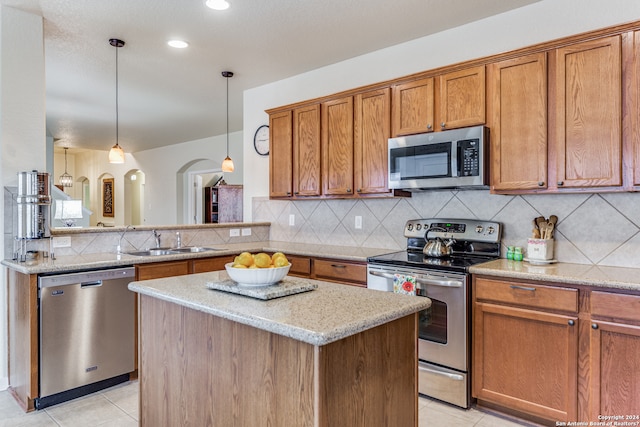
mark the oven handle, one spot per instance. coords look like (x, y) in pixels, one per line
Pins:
(455, 377)
(433, 282)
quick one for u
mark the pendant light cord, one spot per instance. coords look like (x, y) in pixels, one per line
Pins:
(117, 125)
(228, 116)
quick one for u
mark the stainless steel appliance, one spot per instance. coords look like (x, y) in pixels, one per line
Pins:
(457, 158)
(32, 210)
(87, 328)
(444, 329)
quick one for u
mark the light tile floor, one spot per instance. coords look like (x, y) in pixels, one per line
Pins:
(118, 407)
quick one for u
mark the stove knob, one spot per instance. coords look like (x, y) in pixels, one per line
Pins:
(418, 227)
(479, 229)
(410, 227)
(490, 230)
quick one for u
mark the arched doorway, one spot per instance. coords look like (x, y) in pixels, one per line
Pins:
(134, 182)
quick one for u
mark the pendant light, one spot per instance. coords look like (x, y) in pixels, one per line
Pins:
(116, 154)
(66, 180)
(227, 163)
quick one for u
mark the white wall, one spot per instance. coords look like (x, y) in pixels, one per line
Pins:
(160, 166)
(538, 22)
(22, 119)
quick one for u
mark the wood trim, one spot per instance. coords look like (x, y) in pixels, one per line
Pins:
(536, 48)
(618, 306)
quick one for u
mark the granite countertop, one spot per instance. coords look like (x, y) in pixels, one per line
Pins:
(63, 264)
(572, 274)
(318, 317)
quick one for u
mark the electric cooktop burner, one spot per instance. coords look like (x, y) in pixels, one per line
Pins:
(475, 242)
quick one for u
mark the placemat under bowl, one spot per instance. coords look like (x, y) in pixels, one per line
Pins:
(283, 288)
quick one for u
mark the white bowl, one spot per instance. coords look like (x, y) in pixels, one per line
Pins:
(256, 276)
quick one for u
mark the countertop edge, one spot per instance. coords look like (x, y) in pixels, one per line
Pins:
(303, 335)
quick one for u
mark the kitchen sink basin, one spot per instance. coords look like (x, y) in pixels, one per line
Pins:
(172, 251)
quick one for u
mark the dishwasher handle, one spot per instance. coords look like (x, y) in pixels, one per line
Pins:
(92, 284)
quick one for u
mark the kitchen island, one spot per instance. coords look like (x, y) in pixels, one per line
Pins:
(334, 356)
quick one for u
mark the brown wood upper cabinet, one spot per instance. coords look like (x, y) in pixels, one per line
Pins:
(306, 151)
(281, 154)
(294, 161)
(517, 105)
(337, 146)
(461, 98)
(587, 82)
(460, 102)
(413, 107)
(372, 129)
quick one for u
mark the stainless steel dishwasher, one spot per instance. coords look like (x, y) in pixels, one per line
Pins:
(87, 323)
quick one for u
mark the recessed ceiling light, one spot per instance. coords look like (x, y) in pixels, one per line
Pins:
(217, 4)
(179, 44)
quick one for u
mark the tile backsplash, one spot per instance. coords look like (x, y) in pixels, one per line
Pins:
(600, 229)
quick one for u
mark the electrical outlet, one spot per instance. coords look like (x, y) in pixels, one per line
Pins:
(292, 220)
(62, 242)
(246, 232)
(234, 232)
(358, 222)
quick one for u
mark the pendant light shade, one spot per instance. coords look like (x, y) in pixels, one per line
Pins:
(66, 180)
(116, 154)
(227, 163)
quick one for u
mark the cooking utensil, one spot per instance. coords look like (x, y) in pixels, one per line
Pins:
(535, 232)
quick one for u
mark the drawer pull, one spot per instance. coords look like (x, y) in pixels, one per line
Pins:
(338, 266)
(523, 288)
(594, 326)
(571, 323)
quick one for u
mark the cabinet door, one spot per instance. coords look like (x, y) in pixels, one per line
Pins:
(588, 114)
(461, 98)
(517, 117)
(615, 370)
(412, 107)
(634, 107)
(306, 151)
(281, 154)
(337, 146)
(372, 131)
(526, 360)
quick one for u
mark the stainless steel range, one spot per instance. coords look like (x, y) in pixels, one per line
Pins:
(438, 255)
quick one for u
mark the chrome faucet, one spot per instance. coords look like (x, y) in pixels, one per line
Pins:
(157, 237)
(119, 247)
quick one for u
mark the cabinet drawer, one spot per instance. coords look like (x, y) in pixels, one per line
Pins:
(300, 265)
(340, 271)
(161, 269)
(527, 295)
(210, 264)
(620, 306)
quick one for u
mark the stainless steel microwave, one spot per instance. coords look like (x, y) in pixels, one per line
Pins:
(457, 158)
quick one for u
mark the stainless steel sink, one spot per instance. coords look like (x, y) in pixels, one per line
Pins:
(172, 251)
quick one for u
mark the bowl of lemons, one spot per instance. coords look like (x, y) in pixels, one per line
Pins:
(259, 269)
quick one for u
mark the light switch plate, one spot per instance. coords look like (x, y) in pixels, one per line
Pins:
(234, 232)
(358, 223)
(246, 232)
(292, 220)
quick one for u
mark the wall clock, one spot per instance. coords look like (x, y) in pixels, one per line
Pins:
(261, 140)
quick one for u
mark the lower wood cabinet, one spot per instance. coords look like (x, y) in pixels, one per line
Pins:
(553, 353)
(202, 265)
(615, 355)
(525, 357)
(157, 270)
(348, 272)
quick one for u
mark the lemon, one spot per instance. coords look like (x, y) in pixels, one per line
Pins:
(262, 260)
(246, 259)
(276, 255)
(281, 261)
(237, 265)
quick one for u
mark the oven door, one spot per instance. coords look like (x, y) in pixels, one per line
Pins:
(443, 328)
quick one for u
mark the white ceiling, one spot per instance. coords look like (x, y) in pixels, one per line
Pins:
(167, 95)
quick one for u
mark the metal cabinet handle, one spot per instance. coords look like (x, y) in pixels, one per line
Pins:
(571, 322)
(91, 284)
(560, 183)
(359, 190)
(296, 192)
(429, 126)
(348, 190)
(594, 326)
(288, 193)
(442, 125)
(540, 183)
(523, 288)
(338, 266)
